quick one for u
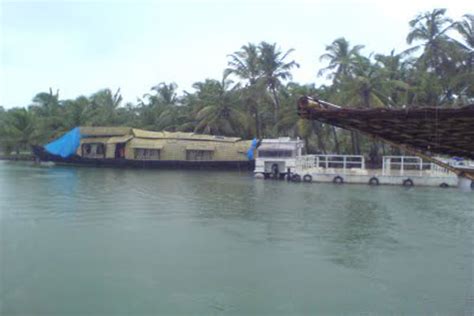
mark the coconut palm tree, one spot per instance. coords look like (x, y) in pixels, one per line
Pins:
(19, 130)
(441, 54)
(165, 94)
(175, 118)
(369, 86)
(78, 112)
(395, 68)
(105, 104)
(5, 146)
(366, 87)
(161, 110)
(465, 76)
(342, 58)
(218, 113)
(128, 115)
(46, 103)
(466, 30)
(245, 65)
(430, 28)
(47, 108)
(290, 124)
(426, 89)
(275, 69)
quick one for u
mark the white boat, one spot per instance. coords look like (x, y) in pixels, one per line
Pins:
(282, 158)
(277, 157)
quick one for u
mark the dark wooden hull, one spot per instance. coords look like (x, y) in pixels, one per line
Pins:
(243, 165)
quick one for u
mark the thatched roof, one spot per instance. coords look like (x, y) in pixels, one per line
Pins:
(445, 131)
(181, 135)
(147, 143)
(106, 140)
(99, 131)
(93, 140)
(119, 139)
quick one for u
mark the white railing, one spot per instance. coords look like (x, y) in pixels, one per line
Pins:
(412, 165)
(391, 165)
(331, 161)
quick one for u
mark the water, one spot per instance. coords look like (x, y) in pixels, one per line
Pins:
(88, 241)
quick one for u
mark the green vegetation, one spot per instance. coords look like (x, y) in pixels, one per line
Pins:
(256, 97)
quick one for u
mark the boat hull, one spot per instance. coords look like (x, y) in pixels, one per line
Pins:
(43, 155)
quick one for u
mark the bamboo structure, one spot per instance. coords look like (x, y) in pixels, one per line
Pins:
(421, 131)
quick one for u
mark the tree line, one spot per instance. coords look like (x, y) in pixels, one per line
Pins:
(256, 96)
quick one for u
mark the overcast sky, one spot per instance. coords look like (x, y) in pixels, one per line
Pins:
(80, 47)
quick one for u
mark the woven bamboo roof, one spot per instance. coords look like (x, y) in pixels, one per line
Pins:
(147, 143)
(96, 131)
(445, 131)
(119, 139)
(102, 131)
(106, 140)
(181, 135)
(94, 140)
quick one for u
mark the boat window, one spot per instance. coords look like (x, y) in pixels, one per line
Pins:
(99, 149)
(275, 153)
(147, 154)
(95, 150)
(199, 155)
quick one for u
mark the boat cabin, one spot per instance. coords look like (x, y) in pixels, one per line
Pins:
(122, 143)
(277, 157)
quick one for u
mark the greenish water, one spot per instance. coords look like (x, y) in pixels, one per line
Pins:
(87, 241)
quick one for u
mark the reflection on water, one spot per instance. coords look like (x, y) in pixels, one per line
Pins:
(181, 242)
(356, 230)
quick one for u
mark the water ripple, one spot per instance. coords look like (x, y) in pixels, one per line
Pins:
(221, 242)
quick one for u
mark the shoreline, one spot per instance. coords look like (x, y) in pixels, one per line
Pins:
(21, 157)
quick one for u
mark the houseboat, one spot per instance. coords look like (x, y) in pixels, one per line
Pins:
(124, 146)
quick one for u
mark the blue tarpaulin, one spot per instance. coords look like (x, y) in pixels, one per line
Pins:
(253, 146)
(66, 145)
